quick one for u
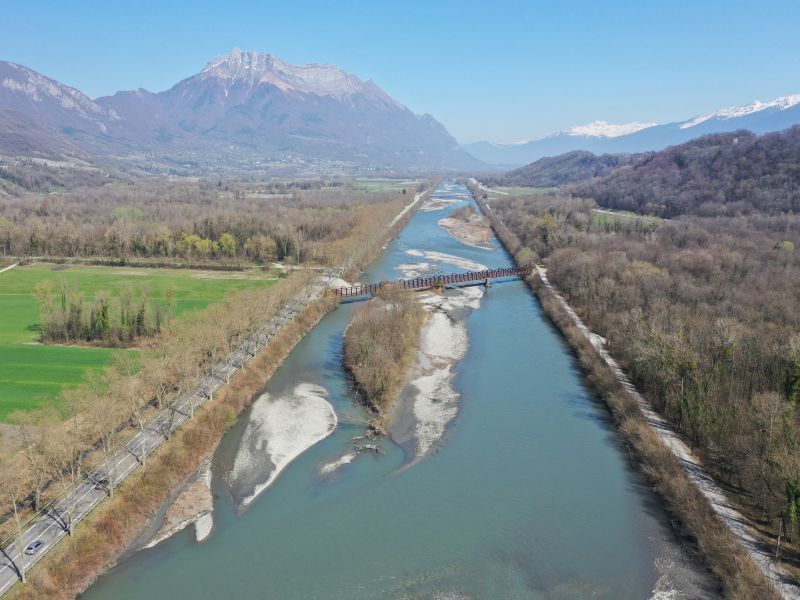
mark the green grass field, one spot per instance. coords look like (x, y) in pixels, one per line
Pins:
(32, 374)
(522, 191)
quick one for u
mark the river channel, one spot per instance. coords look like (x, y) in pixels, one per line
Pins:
(529, 494)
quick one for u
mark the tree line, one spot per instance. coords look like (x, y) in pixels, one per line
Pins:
(184, 221)
(66, 316)
(556, 171)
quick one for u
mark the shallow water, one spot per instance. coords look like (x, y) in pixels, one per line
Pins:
(529, 495)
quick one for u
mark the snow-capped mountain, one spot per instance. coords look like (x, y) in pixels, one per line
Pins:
(601, 137)
(243, 106)
(736, 112)
(605, 129)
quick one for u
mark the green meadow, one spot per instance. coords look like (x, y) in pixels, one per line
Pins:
(32, 374)
(386, 185)
(607, 217)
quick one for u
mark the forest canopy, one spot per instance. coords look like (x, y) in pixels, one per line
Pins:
(716, 175)
(556, 171)
(195, 221)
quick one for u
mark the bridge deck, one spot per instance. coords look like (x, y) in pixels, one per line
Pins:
(425, 283)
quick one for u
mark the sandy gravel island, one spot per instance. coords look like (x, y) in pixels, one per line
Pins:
(474, 231)
(429, 402)
(330, 467)
(442, 257)
(439, 203)
(278, 431)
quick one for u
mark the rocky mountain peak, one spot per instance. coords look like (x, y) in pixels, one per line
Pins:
(257, 68)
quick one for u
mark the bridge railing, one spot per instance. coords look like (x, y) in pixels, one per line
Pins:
(421, 283)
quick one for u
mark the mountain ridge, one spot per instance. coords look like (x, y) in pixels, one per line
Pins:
(246, 110)
(758, 117)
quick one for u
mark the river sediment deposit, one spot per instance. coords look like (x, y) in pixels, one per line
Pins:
(502, 476)
(472, 229)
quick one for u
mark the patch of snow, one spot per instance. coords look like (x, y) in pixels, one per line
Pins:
(254, 68)
(734, 112)
(607, 130)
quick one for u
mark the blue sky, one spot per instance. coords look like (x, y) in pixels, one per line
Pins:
(503, 70)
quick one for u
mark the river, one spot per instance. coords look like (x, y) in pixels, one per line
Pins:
(528, 495)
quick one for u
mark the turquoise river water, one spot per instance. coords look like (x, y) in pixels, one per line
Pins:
(529, 494)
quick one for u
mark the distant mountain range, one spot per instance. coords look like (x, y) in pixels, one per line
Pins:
(719, 174)
(244, 110)
(603, 138)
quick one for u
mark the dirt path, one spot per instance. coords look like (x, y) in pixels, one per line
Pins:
(8, 268)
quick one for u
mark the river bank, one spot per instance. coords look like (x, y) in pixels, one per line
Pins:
(193, 506)
(739, 573)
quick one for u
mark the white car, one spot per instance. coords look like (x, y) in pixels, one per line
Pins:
(34, 547)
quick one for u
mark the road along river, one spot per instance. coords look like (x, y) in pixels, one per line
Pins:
(504, 478)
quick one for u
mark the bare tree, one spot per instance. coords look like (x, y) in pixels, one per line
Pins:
(34, 432)
(13, 486)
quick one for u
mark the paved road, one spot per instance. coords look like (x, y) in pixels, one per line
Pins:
(50, 528)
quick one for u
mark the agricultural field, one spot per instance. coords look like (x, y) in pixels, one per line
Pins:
(386, 185)
(32, 374)
(604, 216)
